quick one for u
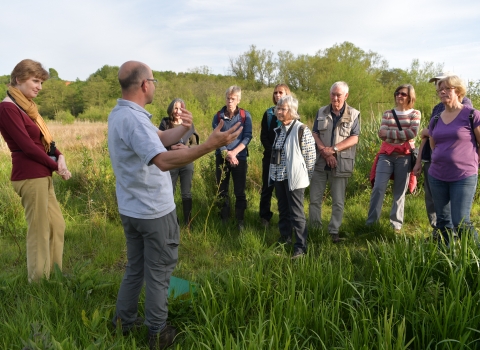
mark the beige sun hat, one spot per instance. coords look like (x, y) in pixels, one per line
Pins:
(441, 75)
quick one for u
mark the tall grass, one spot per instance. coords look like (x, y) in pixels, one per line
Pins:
(378, 290)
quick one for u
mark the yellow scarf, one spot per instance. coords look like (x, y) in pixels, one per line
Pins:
(32, 111)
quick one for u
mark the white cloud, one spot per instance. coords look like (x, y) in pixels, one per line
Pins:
(77, 38)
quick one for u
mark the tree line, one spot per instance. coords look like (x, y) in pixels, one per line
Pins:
(368, 74)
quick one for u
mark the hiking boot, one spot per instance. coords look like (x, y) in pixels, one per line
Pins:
(298, 254)
(336, 238)
(137, 324)
(284, 240)
(265, 223)
(163, 339)
(187, 211)
(240, 225)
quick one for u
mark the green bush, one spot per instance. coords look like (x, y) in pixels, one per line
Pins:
(65, 117)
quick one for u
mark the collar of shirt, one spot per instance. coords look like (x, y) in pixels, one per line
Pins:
(226, 113)
(342, 110)
(133, 105)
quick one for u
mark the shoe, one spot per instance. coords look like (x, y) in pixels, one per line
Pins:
(298, 254)
(240, 225)
(137, 324)
(336, 238)
(163, 339)
(265, 223)
(284, 240)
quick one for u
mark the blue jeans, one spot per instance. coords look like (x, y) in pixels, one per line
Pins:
(453, 202)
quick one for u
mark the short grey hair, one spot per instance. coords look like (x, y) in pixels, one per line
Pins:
(340, 84)
(292, 104)
(234, 90)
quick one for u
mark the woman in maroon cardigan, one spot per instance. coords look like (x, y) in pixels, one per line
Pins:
(34, 158)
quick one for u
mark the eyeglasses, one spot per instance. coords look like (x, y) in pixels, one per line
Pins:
(445, 89)
(154, 81)
(401, 93)
(281, 109)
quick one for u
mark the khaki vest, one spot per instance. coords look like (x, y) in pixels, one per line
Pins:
(345, 158)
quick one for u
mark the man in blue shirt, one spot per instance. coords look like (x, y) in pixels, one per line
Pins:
(145, 199)
(232, 158)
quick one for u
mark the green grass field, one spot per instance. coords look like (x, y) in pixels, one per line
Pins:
(377, 290)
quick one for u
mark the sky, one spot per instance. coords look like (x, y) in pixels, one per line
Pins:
(79, 37)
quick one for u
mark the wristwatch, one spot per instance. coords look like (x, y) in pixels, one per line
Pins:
(335, 149)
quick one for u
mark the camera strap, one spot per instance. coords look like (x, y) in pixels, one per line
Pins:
(288, 133)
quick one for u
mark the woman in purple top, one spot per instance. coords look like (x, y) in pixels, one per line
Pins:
(453, 172)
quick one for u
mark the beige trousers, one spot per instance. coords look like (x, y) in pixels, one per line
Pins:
(46, 226)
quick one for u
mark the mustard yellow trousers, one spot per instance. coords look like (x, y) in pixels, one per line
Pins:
(46, 226)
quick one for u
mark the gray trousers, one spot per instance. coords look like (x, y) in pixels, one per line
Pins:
(152, 253)
(432, 216)
(399, 166)
(291, 215)
(318, 185)
(186, 176)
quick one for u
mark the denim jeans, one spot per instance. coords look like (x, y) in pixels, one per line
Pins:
(453, 202)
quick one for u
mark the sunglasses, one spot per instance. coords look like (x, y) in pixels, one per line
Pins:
(401, 93)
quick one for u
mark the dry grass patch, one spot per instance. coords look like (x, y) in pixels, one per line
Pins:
(70, 137)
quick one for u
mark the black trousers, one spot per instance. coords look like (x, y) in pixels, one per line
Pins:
(239, 177)
(267, 191)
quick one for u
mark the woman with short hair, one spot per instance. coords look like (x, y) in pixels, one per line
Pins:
(34, 158)
(291, 168)
(453, 173)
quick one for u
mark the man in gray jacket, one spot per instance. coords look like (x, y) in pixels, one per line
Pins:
(335, 130)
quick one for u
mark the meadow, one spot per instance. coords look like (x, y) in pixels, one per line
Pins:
(376, 290)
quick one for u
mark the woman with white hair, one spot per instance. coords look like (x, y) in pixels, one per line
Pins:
(291, 168)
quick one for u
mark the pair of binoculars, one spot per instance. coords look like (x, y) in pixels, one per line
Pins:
(276, 156)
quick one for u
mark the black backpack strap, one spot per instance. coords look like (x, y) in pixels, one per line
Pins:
(471, 118)
(301, 129)
(396, 119)
(471, 125)
(435, 121)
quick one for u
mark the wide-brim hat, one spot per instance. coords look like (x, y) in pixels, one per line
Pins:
(440, 75)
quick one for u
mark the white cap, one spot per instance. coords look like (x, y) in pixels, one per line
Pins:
(440, 75)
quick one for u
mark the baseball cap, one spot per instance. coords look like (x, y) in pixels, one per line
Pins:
(440, 75)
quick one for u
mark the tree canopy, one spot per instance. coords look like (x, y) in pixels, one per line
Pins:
(368, 75)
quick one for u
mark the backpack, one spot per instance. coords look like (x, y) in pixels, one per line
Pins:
(243, 115)
(300, 135)
(270, 114)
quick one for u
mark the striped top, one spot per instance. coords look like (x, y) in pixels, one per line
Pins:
(409, 120)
